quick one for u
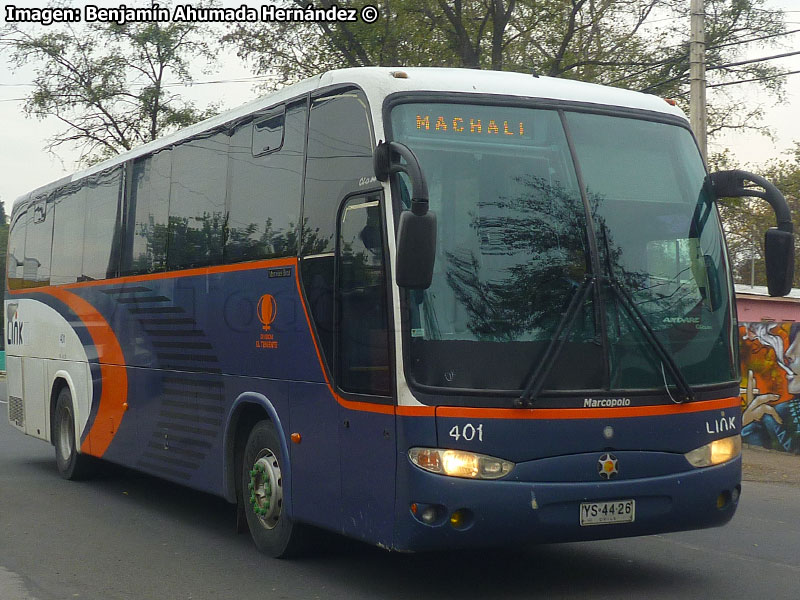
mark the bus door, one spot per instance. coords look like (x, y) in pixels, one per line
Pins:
(343, 470)
(363, 370)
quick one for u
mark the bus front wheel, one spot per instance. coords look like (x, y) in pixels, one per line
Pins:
(262, 494)
(71, 464)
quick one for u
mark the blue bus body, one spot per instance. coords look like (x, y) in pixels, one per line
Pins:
(170, 368)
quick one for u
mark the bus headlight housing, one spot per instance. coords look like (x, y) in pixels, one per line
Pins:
(460, 463)
(718, 451)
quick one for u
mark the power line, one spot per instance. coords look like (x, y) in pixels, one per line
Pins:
(765, 78)
(678, 59)
(175, 84)
(755, 60)
(715, 67)
(763, 37)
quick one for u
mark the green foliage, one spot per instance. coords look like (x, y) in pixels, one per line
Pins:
(636, 44)
(108, 83)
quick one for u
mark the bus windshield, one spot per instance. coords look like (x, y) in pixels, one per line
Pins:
(515, 243)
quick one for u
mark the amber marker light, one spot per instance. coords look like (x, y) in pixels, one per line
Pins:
(296, 438)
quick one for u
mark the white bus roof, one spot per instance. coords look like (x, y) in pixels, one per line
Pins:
(379, 82)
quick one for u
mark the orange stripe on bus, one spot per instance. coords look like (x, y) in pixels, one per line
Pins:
(211, 270)
(586, 413)
(114, 379)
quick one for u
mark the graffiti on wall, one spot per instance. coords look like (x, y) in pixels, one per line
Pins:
(770, 388)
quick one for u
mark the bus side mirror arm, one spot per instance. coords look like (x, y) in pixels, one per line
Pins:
(416, 230)
(778, 241)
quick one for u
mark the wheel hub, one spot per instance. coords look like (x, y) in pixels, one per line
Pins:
(266, 490)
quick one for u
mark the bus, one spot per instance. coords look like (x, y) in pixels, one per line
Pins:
(424, 308)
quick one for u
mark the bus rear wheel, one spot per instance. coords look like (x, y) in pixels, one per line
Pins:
(272, 531)
(71, 464)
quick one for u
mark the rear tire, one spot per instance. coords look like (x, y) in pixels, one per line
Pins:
(71, 464)
(272, 531)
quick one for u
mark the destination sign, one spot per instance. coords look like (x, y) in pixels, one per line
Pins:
(468, 125)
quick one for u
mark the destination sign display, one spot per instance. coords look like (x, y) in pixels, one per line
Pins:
(462, 124)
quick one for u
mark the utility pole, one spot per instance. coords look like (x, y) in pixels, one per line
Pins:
(697, 74)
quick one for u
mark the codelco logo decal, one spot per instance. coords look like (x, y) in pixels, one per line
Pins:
(266, 311)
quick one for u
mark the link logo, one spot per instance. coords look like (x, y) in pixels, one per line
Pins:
(14, 327)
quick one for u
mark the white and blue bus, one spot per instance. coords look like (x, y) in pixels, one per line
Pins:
(426, 308)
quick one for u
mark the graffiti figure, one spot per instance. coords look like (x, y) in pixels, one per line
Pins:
(771, 393)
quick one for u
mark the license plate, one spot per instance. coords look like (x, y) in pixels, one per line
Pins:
(605, 513)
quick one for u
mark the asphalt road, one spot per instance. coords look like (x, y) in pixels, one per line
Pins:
(128, 536)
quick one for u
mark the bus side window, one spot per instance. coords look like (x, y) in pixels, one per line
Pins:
(339, 161)
(38, 243)
(16, 249)
(197, 202)
(266, 187)
(103, 220)
(70, 209)
(148, 207)
(362, 332)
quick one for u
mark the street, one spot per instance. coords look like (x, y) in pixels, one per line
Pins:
(125, 535)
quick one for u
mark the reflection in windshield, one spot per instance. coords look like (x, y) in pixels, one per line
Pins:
(513, 250)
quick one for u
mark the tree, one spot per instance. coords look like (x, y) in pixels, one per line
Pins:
(637, 44)
(109, 83)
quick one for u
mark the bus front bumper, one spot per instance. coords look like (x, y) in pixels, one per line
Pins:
(438, 512)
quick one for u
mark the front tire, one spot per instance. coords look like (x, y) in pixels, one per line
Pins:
(71, 464)
(272, 531)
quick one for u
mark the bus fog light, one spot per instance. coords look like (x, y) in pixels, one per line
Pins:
(461, 519)
(428, 515)
(460, 463)
(735, 494)
(717, 452)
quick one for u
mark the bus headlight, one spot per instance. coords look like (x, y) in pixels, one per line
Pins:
(718, 451)
(460, 463)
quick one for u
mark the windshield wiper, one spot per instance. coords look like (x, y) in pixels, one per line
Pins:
(685, 391)
(535, 380)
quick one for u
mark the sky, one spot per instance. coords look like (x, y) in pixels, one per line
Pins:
(25, 165)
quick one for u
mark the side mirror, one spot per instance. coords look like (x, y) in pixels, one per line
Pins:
(779, 255)
(416, 250)
(416, 231)
(778, 241)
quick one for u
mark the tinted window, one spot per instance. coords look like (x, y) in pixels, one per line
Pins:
(38, 242)
(265, 192)
(101, 231)
(148, 208)
(15, 259)
(197, 202)
(267, 132)
(339, 156)
(70, 209)
(363, 341)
